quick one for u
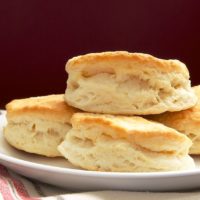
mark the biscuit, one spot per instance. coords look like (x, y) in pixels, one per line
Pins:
(128, 84)
(124, 144)
(186, 121)
(38, 124)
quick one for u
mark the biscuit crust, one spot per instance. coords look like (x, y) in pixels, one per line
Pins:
(119, 143)
(134, 59)
(51, 107)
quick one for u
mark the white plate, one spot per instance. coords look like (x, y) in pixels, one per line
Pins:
(60, 172)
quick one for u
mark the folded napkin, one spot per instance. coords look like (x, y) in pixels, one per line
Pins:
(16, 187)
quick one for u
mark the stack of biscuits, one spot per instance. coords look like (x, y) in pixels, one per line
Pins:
(121, 112)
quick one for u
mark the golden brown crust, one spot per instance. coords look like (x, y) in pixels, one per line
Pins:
(134, 128)
(139, 59)
(51, 107)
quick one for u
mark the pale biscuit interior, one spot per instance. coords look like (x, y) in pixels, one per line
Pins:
(35, 135)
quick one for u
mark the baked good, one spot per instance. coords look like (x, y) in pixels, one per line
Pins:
(124, 144)
(38, 124)
(128, 84)
(186, 121)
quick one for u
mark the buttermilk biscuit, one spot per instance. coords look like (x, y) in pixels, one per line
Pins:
(124, 144)
(186, 121)
(127, 83)
(37, 125)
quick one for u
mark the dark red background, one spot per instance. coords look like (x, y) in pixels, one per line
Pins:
(37, 37)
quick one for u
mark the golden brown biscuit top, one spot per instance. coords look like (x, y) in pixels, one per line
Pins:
(52, 107)
(148, 134)
(127, 60)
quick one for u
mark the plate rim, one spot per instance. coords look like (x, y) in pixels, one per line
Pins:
(62, 170)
